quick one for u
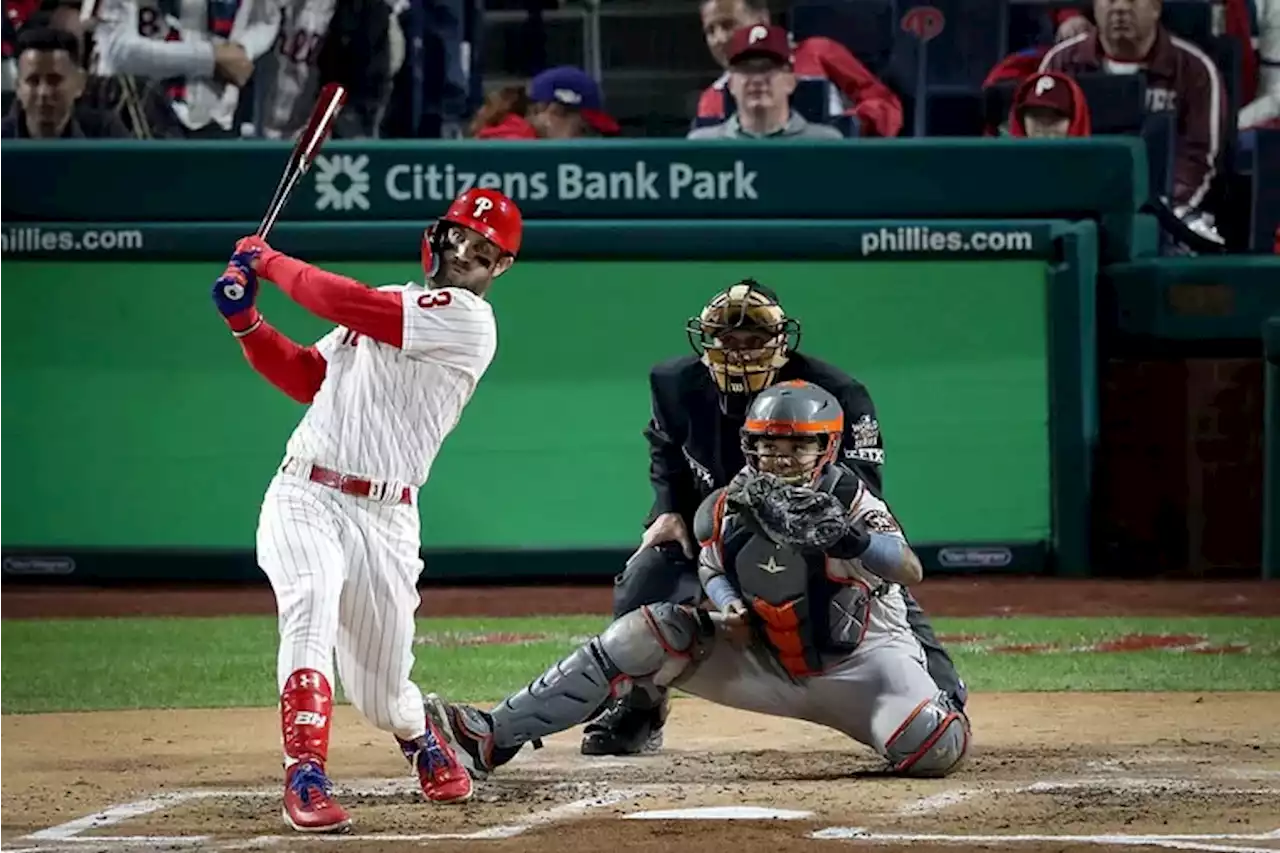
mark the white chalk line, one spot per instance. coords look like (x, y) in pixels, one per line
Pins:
(68, 836)
(1175, 842)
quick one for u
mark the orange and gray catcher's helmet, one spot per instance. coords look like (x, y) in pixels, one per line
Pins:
(799, 411)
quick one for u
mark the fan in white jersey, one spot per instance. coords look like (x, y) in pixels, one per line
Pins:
(338, 534)
(324, 41)
(206, 49)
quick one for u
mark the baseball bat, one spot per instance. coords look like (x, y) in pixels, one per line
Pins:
(326, 110)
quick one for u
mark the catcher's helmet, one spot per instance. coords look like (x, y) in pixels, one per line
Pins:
(487, 212)
(799, 411)
(743, 337)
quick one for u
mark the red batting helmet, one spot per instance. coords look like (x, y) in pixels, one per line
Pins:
(485, 211)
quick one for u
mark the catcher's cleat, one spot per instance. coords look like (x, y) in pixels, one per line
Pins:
(308, 800)
(470, 732)
(624, 730)
(443, 777)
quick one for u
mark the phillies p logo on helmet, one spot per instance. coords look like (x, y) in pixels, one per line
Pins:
(483, 205)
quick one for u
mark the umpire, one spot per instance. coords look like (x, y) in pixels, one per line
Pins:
(743, 342)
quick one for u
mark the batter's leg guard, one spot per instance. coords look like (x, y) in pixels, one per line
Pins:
(306, 708)
(932, 741)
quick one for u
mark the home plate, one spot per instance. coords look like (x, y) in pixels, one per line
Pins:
(721, 813)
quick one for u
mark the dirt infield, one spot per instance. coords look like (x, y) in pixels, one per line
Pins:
(1068, 770)
(940, 597)
(1048, 772)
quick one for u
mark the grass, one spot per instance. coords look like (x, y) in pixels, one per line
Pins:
(98, 664)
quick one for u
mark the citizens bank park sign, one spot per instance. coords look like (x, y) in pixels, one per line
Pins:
(347, 182)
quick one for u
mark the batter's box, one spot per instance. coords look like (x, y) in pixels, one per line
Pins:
(242, 819)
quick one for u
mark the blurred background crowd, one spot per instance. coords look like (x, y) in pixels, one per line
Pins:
(1197, 80)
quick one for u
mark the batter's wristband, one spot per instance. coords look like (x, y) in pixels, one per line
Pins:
(253, 327)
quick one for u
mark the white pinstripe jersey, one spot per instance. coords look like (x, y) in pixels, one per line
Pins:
(383, 412)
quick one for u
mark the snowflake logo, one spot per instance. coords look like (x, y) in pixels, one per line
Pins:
(329, 191)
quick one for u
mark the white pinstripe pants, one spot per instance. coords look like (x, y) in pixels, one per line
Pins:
(344, 571)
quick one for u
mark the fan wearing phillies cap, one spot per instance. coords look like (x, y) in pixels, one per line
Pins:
(859, 93)
(1049, 106)
(339, 530)
(761, 80)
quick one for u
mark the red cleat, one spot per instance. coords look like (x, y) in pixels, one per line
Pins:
(308, 801)
(444, 779)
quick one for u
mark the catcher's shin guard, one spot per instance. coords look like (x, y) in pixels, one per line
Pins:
(932, 741)
(642, 651)
(306, 706)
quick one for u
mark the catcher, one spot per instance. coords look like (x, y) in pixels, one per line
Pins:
(804, 566)
(743, 342)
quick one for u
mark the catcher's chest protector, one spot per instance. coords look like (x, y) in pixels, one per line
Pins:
(775, 582)
(809, 619)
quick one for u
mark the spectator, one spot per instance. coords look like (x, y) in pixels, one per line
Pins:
(206, 51)
(503, 115)
(561, 103)
(50, 81)
(141, 105)
(861, 95)
(761, 80)
(1262, 76)
(16, 13)
(1129, 39)
(1049, 106)
(431, 90)
(566, 103)
(322, 42)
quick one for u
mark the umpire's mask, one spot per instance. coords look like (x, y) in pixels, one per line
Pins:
(743, 337)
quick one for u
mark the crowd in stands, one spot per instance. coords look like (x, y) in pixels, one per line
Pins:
(173, 69)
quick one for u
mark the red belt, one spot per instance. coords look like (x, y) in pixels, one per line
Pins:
(355, 486)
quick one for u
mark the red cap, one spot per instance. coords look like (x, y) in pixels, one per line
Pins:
(1050, 93)
(760, 40)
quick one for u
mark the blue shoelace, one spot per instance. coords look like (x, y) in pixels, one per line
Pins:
(435, 755)
(307, 778)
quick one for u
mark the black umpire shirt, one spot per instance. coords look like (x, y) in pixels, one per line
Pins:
(695, 448)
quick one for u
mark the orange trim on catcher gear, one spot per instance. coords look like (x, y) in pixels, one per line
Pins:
(717, 520)
(782, 627)
(783, 428)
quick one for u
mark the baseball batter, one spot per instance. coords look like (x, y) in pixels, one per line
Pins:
(338, 534)
(804, 566)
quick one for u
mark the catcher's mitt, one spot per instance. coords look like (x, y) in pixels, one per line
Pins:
(797, 516)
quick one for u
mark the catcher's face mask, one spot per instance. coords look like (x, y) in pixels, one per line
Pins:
(466, 258)
(743, 338)
(794, 460)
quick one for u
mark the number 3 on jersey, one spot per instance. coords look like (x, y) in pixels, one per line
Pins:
(435, 299)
